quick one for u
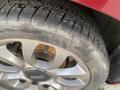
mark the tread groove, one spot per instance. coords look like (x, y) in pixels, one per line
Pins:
(62, 19)
(18, 17)
(73, 24)
(98, 43)
(9, 12)
(82, 26)
(2, 7)
(47, 17)
(93, 41)
(34, 13)
(88, 33)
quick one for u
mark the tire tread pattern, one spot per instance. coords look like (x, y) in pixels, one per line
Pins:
(57, 11)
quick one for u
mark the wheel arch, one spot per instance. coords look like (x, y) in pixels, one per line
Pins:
(108, 7)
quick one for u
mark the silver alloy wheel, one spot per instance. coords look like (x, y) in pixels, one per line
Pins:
(25, 62)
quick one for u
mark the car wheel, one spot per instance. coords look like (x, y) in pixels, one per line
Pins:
(50, 44)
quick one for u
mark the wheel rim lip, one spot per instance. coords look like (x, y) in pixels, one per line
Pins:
(37, 65)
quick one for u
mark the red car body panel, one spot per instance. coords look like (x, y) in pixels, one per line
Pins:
(109, 7)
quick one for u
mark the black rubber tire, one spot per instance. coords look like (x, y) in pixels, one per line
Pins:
(59, 22)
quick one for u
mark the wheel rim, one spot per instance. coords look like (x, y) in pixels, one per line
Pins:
(25, 62)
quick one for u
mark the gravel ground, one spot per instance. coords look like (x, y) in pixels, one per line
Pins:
(104, 87)
(110, 87)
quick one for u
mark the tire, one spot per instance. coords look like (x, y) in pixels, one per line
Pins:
(61, 23)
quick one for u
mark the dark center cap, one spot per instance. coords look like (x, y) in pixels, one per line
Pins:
(37, 75)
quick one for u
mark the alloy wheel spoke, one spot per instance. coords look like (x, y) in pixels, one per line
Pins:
(60, 57)
(19, 85)
(72, 72)
(21, 79)
(13, 76)
(28, 49)
(10, 76)
(50, 83)
(7, 57)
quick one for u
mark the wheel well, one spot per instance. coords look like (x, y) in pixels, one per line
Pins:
(109, 29)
